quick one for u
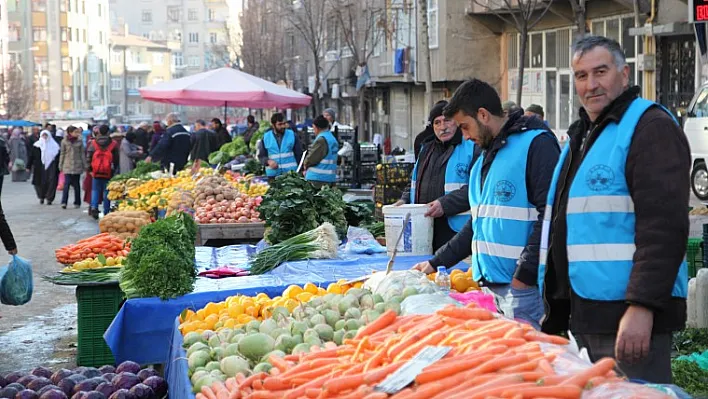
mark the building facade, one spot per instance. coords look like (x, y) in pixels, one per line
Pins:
(62, 48)
(138, 62)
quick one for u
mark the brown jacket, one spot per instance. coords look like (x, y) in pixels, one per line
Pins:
(657, 173)
(72, 158)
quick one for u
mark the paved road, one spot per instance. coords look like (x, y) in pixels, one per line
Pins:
(42, 332)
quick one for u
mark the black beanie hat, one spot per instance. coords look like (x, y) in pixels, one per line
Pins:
(436, 111)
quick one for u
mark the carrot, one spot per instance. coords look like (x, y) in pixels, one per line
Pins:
(560, 392)
(276, 384)
(266, 395)
(376, 359)
(489, 388)
(551, 339)
(292, 358)
(600, 368)
(595, 381)
(412, 338)
(376, 395)
(309, 374)
(231, 384)
(278, 362)
(466, 313)
(322, 354)
(341, 384)
(432, 339)
(453, 321)
(249, 380)
(528, 366)
(551, 380)
(387, 318)
(207, 392)
(273, 371)
(375, 376)
(509, 342)
(358, 393)
(414, 323)
(309, 365)
(516, 332)
(545, 366)
(316, 383)
(430, 374)
(200, 396)
(312, 392)
(359, 348)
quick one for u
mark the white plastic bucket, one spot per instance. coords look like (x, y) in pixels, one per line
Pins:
(417, 235)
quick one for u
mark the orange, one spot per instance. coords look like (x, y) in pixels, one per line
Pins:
(456, 272)
(334, 288)
(262, 295)
(235, 310)
(460, 283)
(358, 284)
(188, 315)
(321, 291)
(211, 308)
(291, 304)
(311, 288)
(292, 292)
(252, 311)
(230, 323)
(201, 314)
(304, 297)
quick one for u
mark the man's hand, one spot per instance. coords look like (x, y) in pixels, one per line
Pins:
(634, 334)
(399, 203)
(424, 267)
(435, 210)
(12, 251)
(517, 284)
(148, 159)
(272, 164)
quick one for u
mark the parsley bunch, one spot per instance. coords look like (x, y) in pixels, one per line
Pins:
(161, 260)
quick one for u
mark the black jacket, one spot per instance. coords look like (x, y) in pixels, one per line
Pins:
(142, 139)
(5, 234)
(222, 136)
(542, 158)
(657, 174)
(421, 138)
(203, 144)
(174, 147)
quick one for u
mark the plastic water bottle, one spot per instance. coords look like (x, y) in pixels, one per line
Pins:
(443, 279)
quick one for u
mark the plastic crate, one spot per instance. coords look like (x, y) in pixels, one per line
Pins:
(394, 174)
(694, 256)
(97, 306)
(368, 153)
(387, 195)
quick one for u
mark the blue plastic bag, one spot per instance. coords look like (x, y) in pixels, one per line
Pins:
(16, 282)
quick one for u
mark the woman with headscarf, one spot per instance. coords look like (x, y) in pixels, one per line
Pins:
(129, 152)
(46, 170)
(18, 155)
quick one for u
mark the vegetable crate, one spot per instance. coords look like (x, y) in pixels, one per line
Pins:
(97, 306)
(394, 173)
(694, 256)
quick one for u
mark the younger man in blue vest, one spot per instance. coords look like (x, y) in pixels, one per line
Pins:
(615, 233)
(441, 176)
(280, 150)
(321, 159)
(508, 190)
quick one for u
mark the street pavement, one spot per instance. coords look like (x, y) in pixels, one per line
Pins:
(42, 332)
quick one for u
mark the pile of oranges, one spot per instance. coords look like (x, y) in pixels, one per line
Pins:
(460, 281)
(238, 310)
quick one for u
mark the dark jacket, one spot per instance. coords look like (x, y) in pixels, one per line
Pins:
(103, 142)
(156, 136)
(542, 158)
(297, 148)
(174, 147)
(431, 185)
(421, 138)
(222, 136)
(34, 161)
(5, 234)
(4, 157)
(203, 144)
(142, 139)
(250, 132)
(657, 174)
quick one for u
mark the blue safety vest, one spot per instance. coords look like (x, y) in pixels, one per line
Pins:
(600, 216)
(457, 174)
(326, 170)
(282, 154)
(502, 216)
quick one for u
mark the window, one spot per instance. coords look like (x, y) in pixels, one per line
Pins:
(194, 61)
(116, 84)
(550, 49)
(68, 5)
(628, 43)
(332, 44)
(194, 37)
(100, 11)
(62, 5)
(177, 35)
(100, 37)
(65, 64)
(432, 23)
(66, 93)
(76, 34)
(14, 30)
(213, 38)
(173, 14)
(83, 7)
(512, 53)
(158, 58)
(84, 34)
(147, 16)
(192, 14)
(177, 59)
(700, 108)
(116, 57)
(39, 34)
(536, 50)
(211, 14)
(64, 35)
(39, 5)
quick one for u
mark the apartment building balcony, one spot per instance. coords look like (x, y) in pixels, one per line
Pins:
(138, 67)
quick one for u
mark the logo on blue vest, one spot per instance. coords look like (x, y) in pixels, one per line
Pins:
(461, 170)
(504, 191)
(600, 178)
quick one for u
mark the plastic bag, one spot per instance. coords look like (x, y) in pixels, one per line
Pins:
(426, 303)
(16, 282)
(361, 241)
(483, 299)
(628, 390)
(699, 358)
(401, 283)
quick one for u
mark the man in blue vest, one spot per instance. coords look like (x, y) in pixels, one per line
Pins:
(441, 176)
(321, 159)
(507, 193)
(280, 150)
(616, 229)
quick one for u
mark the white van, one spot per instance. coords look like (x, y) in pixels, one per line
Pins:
(696, 128)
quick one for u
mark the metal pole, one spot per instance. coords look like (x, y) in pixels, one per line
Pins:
(226, 121)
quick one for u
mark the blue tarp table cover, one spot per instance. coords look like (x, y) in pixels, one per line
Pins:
(176, 370)
(142, 328)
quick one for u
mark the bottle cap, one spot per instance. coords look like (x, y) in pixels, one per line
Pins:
(442, 269)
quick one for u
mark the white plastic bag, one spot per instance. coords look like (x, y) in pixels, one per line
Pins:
(401, 283)
(426, 303)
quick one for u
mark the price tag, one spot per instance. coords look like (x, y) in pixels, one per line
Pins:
(405, 375)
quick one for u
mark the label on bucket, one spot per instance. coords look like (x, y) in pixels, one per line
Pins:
(396, 223)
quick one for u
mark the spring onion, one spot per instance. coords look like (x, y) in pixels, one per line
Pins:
(319, 243)
(100, 275)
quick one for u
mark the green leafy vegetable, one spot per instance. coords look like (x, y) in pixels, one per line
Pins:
(253, 167)
(161, 259)
(689, 376)
(263, 126)
(142, 168)
(690, 340)
(376, 229)
(100, 275)
(358, 214)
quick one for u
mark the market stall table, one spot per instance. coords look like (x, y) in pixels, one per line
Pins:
(229, 231)
(142, 328)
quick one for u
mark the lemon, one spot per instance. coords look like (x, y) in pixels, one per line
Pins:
(311, 288)
(292, 292)
(304, 296)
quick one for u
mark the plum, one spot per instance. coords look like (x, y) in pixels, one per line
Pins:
(39, 383)
(107, 369)
(14, 376)
(26, 380)
(142, 391)
(106, 388)
(47, 388)
(125, 380)
(27, 394)
(41, 372)
(122, 394)
(54, 394)
(158, 386)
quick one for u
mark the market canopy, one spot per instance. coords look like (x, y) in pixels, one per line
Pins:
(225, 87)
(18, 123)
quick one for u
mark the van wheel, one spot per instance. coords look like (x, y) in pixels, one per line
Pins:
(699, 181)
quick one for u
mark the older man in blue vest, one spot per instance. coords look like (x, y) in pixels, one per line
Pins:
(507, 193)
(616, 226)
(321, 159)
(441, 175)
(280, 150)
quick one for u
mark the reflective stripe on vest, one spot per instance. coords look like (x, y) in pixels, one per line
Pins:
(456, 177)
(326, 170)
(600, 216)
(502, 216)
(282, 154)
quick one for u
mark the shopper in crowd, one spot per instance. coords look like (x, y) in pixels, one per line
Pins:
(222, 135)
(618, 228)
(174, 145)
(8, 240)
(280, 150)
(428, 132)
(510, 185)
(44, 162)
(88, 179)
(72, 162)
(157, 131)
(509, 107)
(130, 152)
(441, 176)
(251, 128)
(103, 160)
(204, 141)
(4, 161)
(18, 155)
(142, 137)
(321, 159)
(537, 111)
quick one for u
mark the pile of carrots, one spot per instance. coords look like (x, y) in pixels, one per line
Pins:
(104, 243)
(492, 357)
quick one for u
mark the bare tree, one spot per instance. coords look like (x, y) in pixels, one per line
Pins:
(16, 95)
(224, 52)
(262, 40)
(425, 52)
(523, 15)
(307, 18)
(360, 22)
(578, 7)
